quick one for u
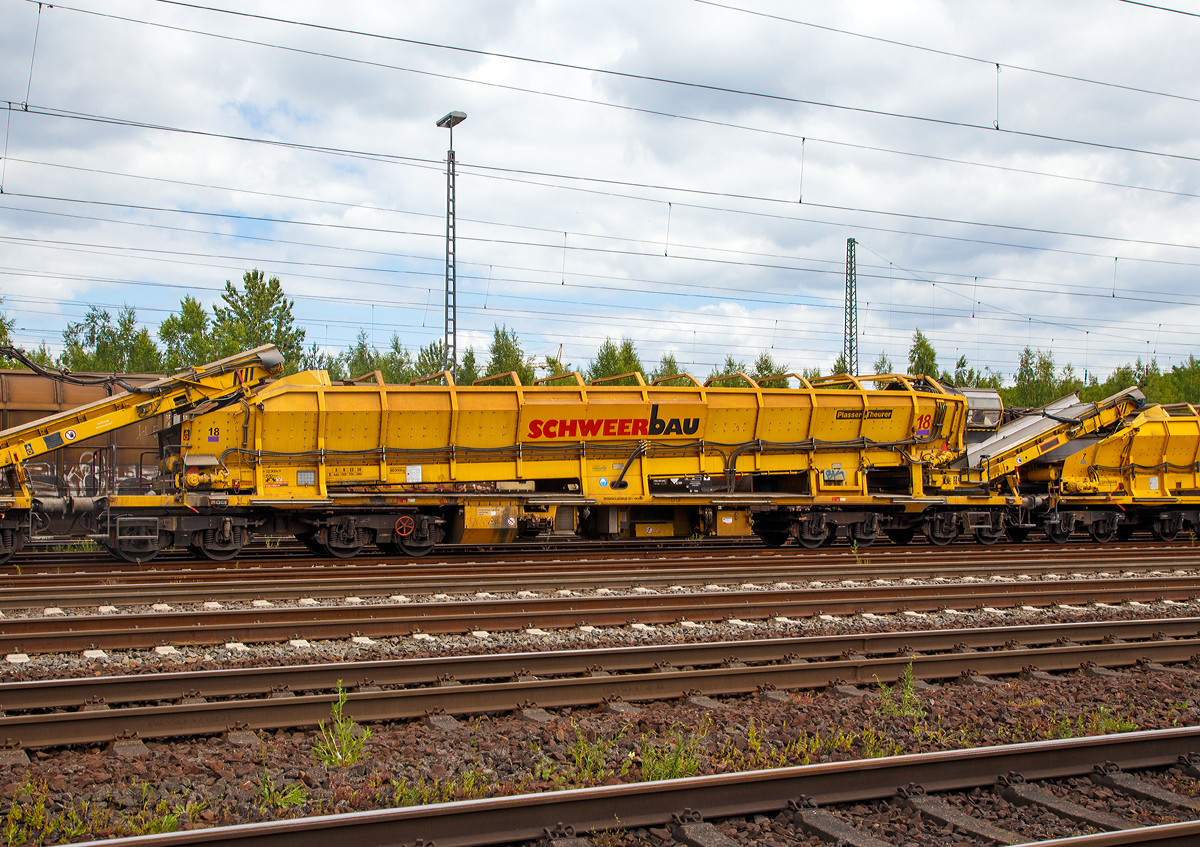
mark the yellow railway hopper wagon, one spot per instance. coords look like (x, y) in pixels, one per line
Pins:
(132, 521)
(358, 463)
(1144, 476)
(361, 462)
(1006, 484)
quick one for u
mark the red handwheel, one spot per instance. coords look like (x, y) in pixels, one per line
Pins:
(405, 526)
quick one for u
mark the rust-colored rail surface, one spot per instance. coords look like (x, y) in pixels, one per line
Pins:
(130, 631)
(503, 820)
(243, 682)
(784, 663)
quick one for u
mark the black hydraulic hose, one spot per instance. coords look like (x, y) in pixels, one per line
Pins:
(619, 484)
(68, 377)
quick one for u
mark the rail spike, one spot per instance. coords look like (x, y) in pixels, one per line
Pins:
(801, 802)
(910, 790)
(1010, 778)
(1106, 768)
(686, 816)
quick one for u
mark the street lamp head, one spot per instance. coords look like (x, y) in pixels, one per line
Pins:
(452, 120)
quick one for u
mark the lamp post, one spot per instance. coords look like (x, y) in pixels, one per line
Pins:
(450, 121)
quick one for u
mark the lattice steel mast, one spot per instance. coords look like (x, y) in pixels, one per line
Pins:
(451, 361)
(850, 345)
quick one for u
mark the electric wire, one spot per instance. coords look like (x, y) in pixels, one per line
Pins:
(951, 54)
(640, 110)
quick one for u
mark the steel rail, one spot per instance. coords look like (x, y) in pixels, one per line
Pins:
(502, 820)
(203, 718)
(1183, 834)
(145, 630)
(246, 585)
(901, 560)
(241, 682)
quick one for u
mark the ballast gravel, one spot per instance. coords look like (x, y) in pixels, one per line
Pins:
(415, 761)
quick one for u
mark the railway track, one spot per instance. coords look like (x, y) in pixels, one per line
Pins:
(621, 555)
(42, 634)
(74, 590)
(822, 798)
(210, 702)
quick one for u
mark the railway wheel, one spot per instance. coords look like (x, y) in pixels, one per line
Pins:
(343, 539)
(1055, 533)
(1163, 531)
(988, 536)
(314, 545)
(416, 548)
(861, 537)
(11, 540)
(134, 548)
(900, 537)
(774, 538)
(940, 537)
(344, 551)
(135, 557)
(220, 544)
(941, 530)
(1016, 534)
(1101, 533)
(814, 542)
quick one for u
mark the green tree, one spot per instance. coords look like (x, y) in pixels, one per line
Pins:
(730, 367)
(883, 365)
(765, 366)
(468, 368)
(1184, 381)
(7, 325)
(41, 356)
(1038, 382)
(922, 358)
(258, 314)
(966, 376)
(361, 358)
(506, 355)
(397, 363)
(613, 359)
(668, 366)
(186, 337)
(99, 343)
(316, 359)
(431, 359)
(555, 366)
(841, 366)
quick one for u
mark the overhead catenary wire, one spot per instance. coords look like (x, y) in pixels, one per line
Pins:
(563, 279)
(954, 55)
(604, 71)
(673, 82)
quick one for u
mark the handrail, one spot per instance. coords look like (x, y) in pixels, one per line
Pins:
(695, 381)
(578, 379)
(511, 374)
(728, 377)
(449, 377)
(635, 374)
(378, 375)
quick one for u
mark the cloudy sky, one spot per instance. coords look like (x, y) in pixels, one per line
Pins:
(683, 173)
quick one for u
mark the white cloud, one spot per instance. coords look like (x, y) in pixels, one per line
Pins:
(573, 261)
